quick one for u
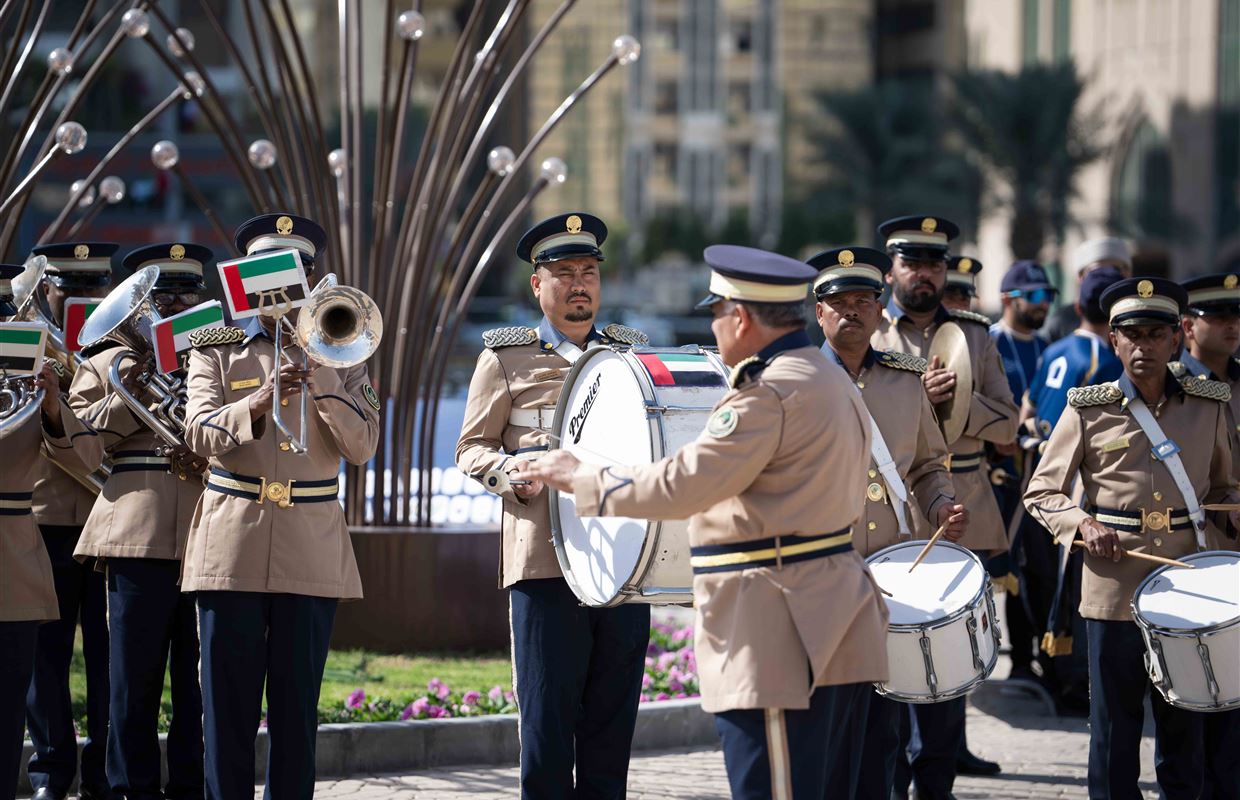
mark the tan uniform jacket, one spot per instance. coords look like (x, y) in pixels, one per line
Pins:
(792, 465)
(26, 588)
(518, 371)
(58, 498)
(993, 416)
(1098, 436)
(892, 390)
(144, 510)
(238, 544)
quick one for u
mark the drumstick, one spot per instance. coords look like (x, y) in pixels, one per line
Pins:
(1221, 507)
(929, 544)
(1171, 562)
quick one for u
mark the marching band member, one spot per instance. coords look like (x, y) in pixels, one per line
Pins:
(908, 454)
(577, 671)
(914, 315)
(137, 531)
(27, 590)
(61, 506)
(268, 551)
(1150, 448)
(791, 628)
(961, 288)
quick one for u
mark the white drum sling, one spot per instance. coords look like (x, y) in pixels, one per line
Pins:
(622, 406)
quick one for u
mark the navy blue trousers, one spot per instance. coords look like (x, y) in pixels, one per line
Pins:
(577, 674)
(149, 621)
(17, 643)
(1118, 685)
(49, 709)
(1222, 755)
(935, 737)
(882, 749)
(805, 754)
(249, 637)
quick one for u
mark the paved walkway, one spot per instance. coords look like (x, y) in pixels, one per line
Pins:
(1042, 757)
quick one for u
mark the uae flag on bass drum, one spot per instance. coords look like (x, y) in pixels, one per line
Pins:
(681, 369)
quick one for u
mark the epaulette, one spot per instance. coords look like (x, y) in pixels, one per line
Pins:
(1099, 395)
(625, 335)
(747, 369)
(100, 346)
(211, 337)
(905, 361)
(509, 337)
(57, 368)
(1210, 390)
(1178, 369)
(980, 319)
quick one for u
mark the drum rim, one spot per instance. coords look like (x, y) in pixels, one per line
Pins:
(955, 615)
(1181, 633)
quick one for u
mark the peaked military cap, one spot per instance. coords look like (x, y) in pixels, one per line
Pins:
(7, 273)
(563, 236)
(282, 231)
(180, 264)
(1214, 294)
(1144, 301)
(962, 274)
(849, 269)
(77, 265)
(754, 276)
(918, 236)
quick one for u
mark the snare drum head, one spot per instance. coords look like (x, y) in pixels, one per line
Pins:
(601, 420)
(1175, 598)
(948, 579)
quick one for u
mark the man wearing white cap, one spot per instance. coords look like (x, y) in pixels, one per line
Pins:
(1106, 251)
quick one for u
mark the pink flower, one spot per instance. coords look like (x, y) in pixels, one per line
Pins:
(356, 699)
(510, 697)
(436, 712)
(681, 696)
(682, 635)
(662, 696)
(471, 698)
(420, 706)
(495, 694)
(675, 685)
(407, 713)
(647, 681)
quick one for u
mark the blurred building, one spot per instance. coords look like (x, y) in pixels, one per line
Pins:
(712, 118)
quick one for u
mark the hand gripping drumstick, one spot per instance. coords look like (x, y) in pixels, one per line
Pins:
(1171, 562)
(942, 529)
(497, 480)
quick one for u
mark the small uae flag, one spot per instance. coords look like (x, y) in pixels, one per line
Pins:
(247, 282)
(77, 311)
(171, 335)
(21, 348)
(681, 369)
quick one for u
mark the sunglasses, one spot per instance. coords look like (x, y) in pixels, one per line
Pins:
(1035, 296)
(168, 298)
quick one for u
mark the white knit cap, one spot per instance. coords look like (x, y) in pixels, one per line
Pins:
(1107, 248)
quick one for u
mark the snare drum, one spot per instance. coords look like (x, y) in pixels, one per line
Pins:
(630, 406)
(942, 639)
(1190, 620)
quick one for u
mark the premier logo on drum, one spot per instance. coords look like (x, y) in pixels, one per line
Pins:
(578, 422)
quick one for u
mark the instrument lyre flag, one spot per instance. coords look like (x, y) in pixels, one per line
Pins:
(77, 311)
(170, 336)
(21, 348)
(257, 282)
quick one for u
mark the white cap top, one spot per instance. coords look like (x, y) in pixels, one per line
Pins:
(1107, 248)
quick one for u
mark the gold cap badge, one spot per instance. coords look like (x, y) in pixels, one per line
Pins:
(284, 226)
(177, 252)
(847, 259)
(1230, 282)
(964, 265)
(928, 225)
(81, 252)
(1145, 289)
(573, 224)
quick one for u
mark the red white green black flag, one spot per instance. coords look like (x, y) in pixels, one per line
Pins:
(251, 282)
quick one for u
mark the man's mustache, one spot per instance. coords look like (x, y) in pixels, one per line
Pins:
(580, 295)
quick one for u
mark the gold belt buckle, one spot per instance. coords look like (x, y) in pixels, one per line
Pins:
(279, 493)
(1155, 520)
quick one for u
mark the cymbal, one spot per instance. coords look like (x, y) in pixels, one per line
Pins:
(950, 345)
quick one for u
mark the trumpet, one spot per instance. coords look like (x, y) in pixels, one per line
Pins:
(340, 327)
(126, 316)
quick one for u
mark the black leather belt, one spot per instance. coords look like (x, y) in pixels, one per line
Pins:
(15, 504)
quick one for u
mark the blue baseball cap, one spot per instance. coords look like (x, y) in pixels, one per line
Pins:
(1025, 276)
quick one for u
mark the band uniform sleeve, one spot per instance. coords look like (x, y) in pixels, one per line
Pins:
(704, 472)
(928, 478)
(213, 427)
(1047, 498)
(993, 414)
(1223, 487)
(94, 400)
(487, 409)
(344, 405)
(77, 441)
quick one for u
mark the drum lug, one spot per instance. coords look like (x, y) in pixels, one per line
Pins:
(1162, 680)
(971, 625)
(927, 659)
(994, 619)
(1203, 652)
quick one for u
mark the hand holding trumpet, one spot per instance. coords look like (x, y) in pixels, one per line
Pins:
(292, 381)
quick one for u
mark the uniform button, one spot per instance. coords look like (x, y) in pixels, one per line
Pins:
(860, 384)
(284, 446)
(284, 402)
(1157, 496)
(1157, 541)
(873, 473)
(870, 526)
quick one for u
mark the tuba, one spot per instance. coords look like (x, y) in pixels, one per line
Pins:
(340, 327)
(126, 316)
(19, 397)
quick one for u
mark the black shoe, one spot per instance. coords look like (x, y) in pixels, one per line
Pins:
(45, 793)
(969, 764)
(94, 793)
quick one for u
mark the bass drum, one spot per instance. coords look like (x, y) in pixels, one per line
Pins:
(625, 407)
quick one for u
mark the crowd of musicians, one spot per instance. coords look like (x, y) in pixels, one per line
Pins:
(222, 559)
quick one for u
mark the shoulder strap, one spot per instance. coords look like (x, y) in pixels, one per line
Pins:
(1168, 452)
(896, 489)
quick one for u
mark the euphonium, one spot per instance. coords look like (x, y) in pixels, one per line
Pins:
(19, 397)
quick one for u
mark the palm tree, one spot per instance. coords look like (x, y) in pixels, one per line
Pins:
(1028, 129)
